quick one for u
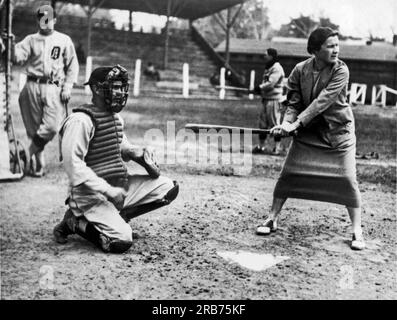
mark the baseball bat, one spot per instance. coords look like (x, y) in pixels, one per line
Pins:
(256, 90)
(233, 88)
(196, 127)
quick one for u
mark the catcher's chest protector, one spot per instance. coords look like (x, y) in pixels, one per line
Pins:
(104, 154)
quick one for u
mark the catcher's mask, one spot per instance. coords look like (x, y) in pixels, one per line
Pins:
(113, 82)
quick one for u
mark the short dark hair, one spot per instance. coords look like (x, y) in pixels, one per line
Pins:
(272, 52)
(318, 37)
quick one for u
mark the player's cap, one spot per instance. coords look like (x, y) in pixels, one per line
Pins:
(102, 74)
(98, 75)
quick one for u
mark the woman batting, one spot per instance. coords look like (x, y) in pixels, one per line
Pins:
(320, 164)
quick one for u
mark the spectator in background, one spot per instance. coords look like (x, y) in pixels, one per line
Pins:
(230, 79)
(215, 78)
(151, 72)
(271, 90)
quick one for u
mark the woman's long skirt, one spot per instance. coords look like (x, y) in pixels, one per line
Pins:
(316, 171)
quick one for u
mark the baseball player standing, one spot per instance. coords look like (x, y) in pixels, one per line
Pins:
(271, 89)
(52, 69)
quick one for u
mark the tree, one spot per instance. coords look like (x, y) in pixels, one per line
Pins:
(252, 22)
(299, 27)
(211, 30)
(302, 26)
(326, 22)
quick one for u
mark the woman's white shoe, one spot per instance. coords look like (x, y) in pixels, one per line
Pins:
(358, 243)
(267, 227)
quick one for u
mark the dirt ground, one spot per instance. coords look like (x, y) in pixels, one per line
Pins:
(175, 255)
(176, 251)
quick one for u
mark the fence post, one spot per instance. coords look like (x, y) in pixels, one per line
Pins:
(379, 91)
(252, 84)
(374, 94)
(353, 93)
(137, 77)
(357, 90)
(363, 92)
(222, 84)
(185, 80)
(389, 90)
(383, 95)
(88, 70)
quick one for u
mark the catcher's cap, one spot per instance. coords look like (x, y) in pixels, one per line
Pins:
(102, 74)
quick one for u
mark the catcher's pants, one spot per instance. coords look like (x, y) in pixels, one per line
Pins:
(95, 207)
(41, 109)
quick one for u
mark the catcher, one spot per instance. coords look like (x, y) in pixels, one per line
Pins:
(103, 197)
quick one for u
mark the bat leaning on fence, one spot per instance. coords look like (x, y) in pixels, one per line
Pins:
(196, 127)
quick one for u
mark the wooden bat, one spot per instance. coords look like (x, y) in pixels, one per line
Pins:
(196, 127)
(255, 90)
(233, 88)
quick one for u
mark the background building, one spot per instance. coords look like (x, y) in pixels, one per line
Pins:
(371, 63)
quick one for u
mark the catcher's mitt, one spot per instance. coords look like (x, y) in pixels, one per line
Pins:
(147, 160)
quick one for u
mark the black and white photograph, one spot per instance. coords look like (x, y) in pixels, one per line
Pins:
(210, 151)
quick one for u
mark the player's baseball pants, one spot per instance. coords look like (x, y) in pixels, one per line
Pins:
(41, 109)
(95, 207)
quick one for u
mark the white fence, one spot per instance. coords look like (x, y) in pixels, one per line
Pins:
(223, 87)
(379, 94)
(358, 92)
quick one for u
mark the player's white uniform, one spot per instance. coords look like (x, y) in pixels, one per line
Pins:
(86, 189)
(48, 58)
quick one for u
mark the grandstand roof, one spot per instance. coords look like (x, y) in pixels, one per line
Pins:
(297, 48)
(185, 9)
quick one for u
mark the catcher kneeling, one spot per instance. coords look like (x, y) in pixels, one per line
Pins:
(103, 197)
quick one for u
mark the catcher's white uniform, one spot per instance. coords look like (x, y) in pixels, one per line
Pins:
(48, 59)
(86, 189)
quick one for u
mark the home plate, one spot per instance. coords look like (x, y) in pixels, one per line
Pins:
(251, 260)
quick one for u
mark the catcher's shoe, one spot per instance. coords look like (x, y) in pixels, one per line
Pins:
(62, 229)
(267, 227)
(114, 246)
(358, 242)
